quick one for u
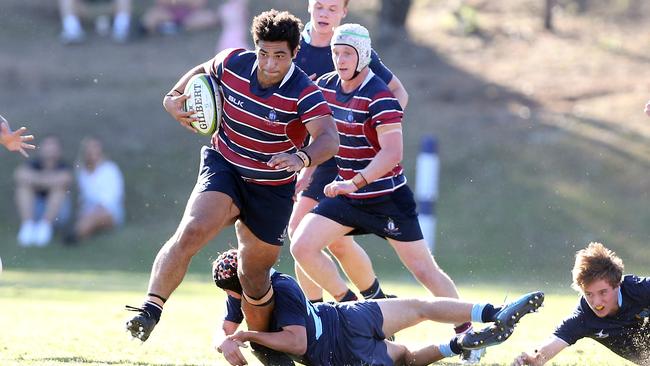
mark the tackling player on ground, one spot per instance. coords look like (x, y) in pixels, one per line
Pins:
(354, 333)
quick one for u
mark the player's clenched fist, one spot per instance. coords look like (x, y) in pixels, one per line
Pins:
(339, 187)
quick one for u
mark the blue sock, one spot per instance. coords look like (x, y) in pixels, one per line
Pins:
(450, 349)
(477, 312)
(373, 292)
(349, 296)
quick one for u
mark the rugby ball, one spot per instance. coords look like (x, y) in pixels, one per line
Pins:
(205, 101)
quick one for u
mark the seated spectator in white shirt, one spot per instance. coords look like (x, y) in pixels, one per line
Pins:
(101, 192)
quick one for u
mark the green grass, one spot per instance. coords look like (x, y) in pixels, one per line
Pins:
(76, 318)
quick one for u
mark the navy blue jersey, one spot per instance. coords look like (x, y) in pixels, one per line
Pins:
(318, 60)
(627, 333)
(328, 337)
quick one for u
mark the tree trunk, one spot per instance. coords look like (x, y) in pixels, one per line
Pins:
(394, 12)
(548, 14)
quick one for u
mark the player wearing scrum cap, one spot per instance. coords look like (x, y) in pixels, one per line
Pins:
(370, 195)
(354, 333)
(315, 58)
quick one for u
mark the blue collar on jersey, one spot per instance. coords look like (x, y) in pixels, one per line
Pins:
(620, 297)
(286, 77)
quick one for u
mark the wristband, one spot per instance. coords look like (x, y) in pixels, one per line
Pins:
(359, 183)
(306, 161)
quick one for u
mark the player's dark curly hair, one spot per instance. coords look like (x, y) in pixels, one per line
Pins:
(596, 262)
(276, 26)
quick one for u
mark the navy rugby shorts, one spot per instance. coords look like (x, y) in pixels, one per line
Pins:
(362, 332)
(324, 174)
(392, 215)
(264, 209)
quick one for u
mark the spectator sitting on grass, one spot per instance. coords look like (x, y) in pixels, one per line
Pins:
(70, 20)
(101, 192)
(42, 193)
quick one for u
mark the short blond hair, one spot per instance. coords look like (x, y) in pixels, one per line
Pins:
(595, 262)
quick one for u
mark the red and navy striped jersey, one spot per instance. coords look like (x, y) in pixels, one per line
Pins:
(357, 115)
(259, 123)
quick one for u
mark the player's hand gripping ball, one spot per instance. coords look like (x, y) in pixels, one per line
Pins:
(206, 103)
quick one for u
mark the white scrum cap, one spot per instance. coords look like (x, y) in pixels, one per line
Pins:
(357, 37)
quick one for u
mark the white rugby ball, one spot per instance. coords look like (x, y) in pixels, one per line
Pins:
(205, 101)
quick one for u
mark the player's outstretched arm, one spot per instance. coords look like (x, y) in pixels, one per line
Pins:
(540, 356)
(229, 347)
(291, 339)
(16, 140)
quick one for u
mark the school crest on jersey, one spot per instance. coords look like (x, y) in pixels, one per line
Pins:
(273, 115)
(350, 117)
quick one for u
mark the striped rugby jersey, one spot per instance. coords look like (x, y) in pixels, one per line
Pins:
(259, 123)
(357, 116)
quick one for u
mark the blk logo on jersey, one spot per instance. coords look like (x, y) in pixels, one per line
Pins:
(391, 228)
(236, 102)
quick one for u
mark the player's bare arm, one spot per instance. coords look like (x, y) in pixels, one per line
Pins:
(228, 346)
(543, 354)
(390, 154)
(292, 339)
(397, 88)
(324, 144)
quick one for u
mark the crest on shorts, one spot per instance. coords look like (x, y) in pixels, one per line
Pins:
(391, 228)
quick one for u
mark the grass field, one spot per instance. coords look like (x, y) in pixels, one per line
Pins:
(543, 146)
(77, 318)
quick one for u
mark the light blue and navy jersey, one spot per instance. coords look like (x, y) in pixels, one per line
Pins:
(259, 123)
(627, 333)
(292, 308)
(357, 115)
(318, 60)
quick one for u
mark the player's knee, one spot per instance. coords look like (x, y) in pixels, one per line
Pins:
(192, 235)
(338, 249)
(300, 250)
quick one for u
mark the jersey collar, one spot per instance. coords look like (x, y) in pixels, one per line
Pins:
(286, 77)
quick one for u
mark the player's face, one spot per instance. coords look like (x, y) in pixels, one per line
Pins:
(326, 15)
(345, 60)
(601, 297)
(274, 60)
